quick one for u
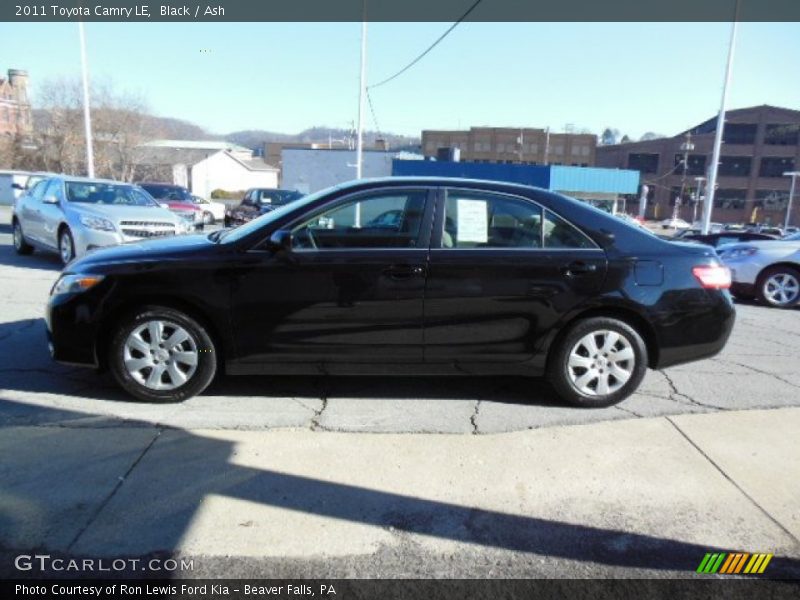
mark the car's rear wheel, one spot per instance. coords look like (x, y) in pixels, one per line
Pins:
(162, 355)
(779, 287)
(598, 362)
(20, 245)
(66, 245)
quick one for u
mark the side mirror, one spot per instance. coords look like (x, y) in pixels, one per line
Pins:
(280, 241)
(50, 200)
(17, 186)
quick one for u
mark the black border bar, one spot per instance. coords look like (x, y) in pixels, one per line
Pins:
(398, 10)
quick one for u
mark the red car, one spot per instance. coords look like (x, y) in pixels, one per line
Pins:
(177, 199)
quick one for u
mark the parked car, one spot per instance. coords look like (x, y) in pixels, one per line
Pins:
(177, 199)
(212, 211)
(791, 230)
(768, 271)
(14, 183)
(72, 215)
(674, 224)
(478, 277)
(258, 201)
(727, 237)
(712, 227)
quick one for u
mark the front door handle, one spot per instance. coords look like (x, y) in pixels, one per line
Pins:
(579, 268)
(399, 272)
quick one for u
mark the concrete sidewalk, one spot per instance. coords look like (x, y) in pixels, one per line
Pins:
(647, 496)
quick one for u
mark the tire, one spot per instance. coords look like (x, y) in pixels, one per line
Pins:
(66, 245)
(20, 245)
(183, 371)
(582, 385)
(779, 287)
(208, 218)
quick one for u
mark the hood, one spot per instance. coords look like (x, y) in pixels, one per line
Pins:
(121, 212)
(157, 249)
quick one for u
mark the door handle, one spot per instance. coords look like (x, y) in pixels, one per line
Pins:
(579, 268)
(399, 272)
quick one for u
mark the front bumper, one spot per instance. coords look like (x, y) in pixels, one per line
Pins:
(72, 328)
(86, 239)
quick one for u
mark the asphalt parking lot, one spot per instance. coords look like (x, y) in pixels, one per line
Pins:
(278, 469)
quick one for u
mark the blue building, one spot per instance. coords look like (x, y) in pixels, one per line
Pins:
(607, 188)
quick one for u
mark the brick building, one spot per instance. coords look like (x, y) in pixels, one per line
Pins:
(760, 144)
(15, 108)
(514, 146)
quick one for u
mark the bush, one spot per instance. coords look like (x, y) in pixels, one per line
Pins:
(226, 195)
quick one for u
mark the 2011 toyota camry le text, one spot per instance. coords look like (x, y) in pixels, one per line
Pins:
(418, 276)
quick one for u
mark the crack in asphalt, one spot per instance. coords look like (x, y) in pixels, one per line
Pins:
(314, 424)
(117, 486)
(731, 480)
(473, 419)
(675, 395)
(629, 411)
(761, 371)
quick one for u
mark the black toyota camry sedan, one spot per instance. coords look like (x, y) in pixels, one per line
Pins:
(467, 277)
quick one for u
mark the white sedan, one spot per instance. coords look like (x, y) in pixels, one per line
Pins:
(674, 224)
(768, 271)
(212, 211)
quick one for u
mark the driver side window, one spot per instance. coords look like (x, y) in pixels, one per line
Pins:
(389, 219)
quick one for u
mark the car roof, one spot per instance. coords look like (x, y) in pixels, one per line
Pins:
(75, 179)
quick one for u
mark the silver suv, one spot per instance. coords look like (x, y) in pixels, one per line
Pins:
(73, 215)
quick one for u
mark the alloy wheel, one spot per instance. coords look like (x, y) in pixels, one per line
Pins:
(601, 362)
(160, 355)
(17, 236)
(781, 289)
(65, 247)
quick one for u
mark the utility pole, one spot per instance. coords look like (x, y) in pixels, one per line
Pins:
(712, 174)
(546, 146)
(698, 196)
(793, 175)
(87, 120)
(361, 94)
(687, 147)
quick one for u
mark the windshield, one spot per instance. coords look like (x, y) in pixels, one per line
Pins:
(88, 192)
(233, 235)
(276, 197)
(167, 192)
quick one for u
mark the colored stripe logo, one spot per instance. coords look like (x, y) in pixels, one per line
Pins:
(734, 563)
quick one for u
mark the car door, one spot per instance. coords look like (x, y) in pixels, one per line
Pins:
(52, 212)
(30, 212)
(344, 292)
(502, 271)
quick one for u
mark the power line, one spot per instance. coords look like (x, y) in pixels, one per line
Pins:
(372, 110)
(431, 47)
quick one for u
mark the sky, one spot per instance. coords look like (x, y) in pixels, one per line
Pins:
(284, 77)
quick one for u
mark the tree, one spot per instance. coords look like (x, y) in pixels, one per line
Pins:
(609, 136)
(650, 135)
(625, 139)
(120, 123)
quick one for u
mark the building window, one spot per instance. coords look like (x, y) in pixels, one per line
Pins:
(772, 199)
(735, 166)
(559, 150)
(586, 151)
(782, 135)
(643, 162)
(730, 199)
(695, 166)
(739, 133)
(775, 166)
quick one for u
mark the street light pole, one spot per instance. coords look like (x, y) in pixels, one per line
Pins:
(698, 195)
(793, 175)
(361, 94)
(712, 175)
(87, 120)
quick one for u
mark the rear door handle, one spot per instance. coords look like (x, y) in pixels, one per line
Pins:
(579, 268)
(398, 272)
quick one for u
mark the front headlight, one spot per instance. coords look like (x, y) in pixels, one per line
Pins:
(75, 283)
(97, 223)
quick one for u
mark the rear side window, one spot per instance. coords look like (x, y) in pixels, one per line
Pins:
(480, 220)
(559, 233)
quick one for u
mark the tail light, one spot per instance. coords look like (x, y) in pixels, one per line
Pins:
(713, 277)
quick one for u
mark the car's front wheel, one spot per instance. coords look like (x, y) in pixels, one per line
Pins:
(598, 362)
(20, 245)
(162, 355)
(66, 245)
(779, 287)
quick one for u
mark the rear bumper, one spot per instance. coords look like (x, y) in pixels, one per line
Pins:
(743, 290)
(697, 334)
